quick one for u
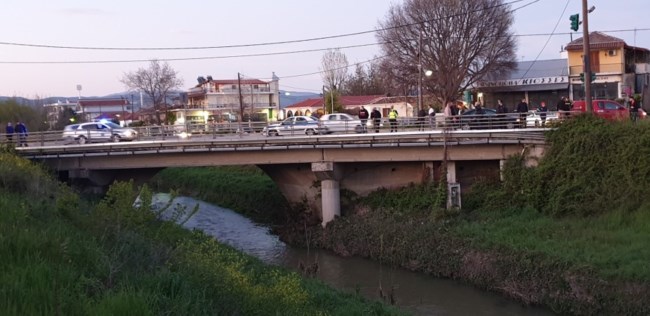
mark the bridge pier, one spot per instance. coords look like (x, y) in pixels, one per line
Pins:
(329, 175)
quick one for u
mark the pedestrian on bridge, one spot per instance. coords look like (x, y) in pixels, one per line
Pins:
(376, 119)
(21, 130)
(392, 118)
(10, 132)
(363, 116)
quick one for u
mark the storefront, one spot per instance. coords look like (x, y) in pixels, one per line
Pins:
(546, 81)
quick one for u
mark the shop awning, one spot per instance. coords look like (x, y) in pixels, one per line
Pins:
(523, 88)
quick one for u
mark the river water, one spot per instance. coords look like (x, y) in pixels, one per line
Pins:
(416, 293)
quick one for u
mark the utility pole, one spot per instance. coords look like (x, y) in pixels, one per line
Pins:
(586, 58)
(241, 103)
(419, 106)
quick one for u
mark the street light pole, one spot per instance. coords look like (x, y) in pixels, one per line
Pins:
(419, 106)
(586, 57)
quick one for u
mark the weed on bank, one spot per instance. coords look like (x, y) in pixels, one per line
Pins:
(63, 256)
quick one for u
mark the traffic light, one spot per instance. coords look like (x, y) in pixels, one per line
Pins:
(593, 76)
(575, 21)
(582, 77)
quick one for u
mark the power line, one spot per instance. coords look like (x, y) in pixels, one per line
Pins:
(253, 44)
(547, 40)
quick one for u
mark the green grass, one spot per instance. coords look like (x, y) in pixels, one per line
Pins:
(73, 258)
(245, 189)
(613, 245)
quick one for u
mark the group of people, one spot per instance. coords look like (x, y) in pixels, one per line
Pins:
(19, 129)
(375, 116)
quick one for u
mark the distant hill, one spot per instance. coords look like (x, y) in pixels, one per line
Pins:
(286, 98)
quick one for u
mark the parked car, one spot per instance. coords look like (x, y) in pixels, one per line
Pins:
(488, 120)
(340, 122)
(97, 132)
(606, 109)
(534, 120)
(295, 125)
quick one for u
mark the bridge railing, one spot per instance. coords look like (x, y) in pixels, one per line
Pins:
(215, 131)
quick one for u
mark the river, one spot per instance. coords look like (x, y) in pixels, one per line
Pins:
(416, 293)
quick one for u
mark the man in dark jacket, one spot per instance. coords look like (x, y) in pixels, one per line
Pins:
(634, 110)
(522, 109)
(21, 130)
(10, 132)
(363, 116)
(376, 119)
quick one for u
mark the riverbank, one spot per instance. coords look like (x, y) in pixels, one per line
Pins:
(570, 234)
(62, 255)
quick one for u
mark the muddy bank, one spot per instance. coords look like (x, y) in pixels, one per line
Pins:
(419, 244)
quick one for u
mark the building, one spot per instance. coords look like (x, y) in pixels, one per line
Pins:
(55, 110)
(229, 100)
(621, 70)
(352, 104)
(535, 81)
(95, 109)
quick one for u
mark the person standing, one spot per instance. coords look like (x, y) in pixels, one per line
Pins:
(566, 107)
(634, 110)
(522, 109)
(432, 117)
(392, 118)
(501, 108)
(21, 130)
(543, 110)
(376, 119)
(449, 115)
(10, 132)
(422, 113)
(363, 116)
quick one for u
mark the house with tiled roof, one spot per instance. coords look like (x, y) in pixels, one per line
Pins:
(621, 70)
(94, 109)
(352, 104)
(226, 99)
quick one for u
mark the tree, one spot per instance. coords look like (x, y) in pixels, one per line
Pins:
(334, 69)
(364, 81)
(155, 81)
(461, 42)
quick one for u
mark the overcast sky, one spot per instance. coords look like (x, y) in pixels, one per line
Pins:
(191, 23)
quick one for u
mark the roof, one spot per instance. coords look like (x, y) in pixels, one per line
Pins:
(597, 40)
(102, 102)
(235, 81)
(536, 69)
(345, 100)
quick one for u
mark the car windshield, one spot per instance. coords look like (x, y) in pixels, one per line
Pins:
(112, 125)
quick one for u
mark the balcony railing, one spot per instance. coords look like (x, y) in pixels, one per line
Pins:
(617, 68)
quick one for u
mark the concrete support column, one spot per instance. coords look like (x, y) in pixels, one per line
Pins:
(502, 165)
(451, 172)
(331, 196)
(329, 175)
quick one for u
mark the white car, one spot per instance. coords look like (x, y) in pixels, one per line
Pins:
(340, 122)
(534, 120)
(97, 132)
(295, 125)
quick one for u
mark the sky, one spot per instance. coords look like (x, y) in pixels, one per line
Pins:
(27, 69)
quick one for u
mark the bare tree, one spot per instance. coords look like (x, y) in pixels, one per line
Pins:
(335, 68)
(461, 42)
(363, 81)
(155, 81)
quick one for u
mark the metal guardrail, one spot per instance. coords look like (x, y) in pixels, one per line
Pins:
(215, 131)
(401, 139)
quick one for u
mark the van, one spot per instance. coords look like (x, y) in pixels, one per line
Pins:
(606, 109)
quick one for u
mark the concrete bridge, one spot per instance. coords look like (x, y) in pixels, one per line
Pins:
(308, 168)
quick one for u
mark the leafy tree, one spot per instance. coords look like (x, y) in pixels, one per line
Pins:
(364, 81)
(34, 117)
(461, 42)
(155, 81)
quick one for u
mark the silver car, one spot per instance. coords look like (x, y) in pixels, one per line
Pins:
(97, 132)
(340, 122)
(295, 125)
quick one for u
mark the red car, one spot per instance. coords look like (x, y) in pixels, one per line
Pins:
(607, 109)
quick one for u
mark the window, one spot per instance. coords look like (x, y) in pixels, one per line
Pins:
(611, 106)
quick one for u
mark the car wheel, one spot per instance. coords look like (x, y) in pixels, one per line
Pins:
(81, 140)
(115, 138)
(310, 132)
(358, 129)
(510, 125)
(273, 133)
